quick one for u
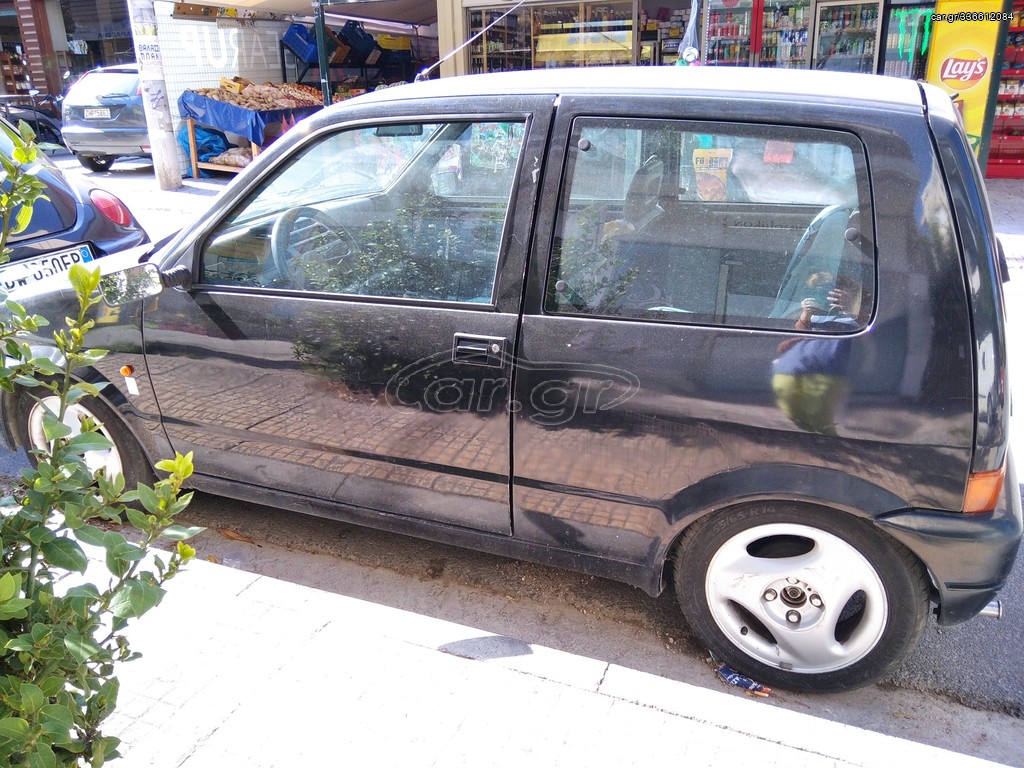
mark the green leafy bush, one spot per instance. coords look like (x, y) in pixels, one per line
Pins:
(62, 612)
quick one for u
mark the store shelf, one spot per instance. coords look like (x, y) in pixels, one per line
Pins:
(14, 71)
(1006, 146)
(505, 47)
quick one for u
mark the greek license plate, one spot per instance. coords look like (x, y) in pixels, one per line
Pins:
(97, 113)
(22, 273)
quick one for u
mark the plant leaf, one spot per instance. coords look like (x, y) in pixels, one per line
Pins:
(138, 519)
(43, 757)
(66, 553)
(80, 646)
(32, 698)
(8, 586)
(89, 441)
(87, 591)
(90, 534)
(13, 728)
(53, 428)
(181, 533)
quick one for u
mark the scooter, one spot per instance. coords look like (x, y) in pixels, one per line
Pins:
(41, 111)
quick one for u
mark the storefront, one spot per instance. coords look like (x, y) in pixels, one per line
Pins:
(937, 41)
(901, 38)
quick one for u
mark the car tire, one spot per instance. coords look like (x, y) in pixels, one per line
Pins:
(802, 598)
(98, 163)
(125, 456)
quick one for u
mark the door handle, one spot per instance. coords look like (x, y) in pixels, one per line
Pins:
(488, 351)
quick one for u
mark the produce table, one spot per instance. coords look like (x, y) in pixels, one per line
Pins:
(196, 108)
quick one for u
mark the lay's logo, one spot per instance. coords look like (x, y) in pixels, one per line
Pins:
(963, 69)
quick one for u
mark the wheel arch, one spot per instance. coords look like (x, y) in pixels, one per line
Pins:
(818, 488)
(154, 446)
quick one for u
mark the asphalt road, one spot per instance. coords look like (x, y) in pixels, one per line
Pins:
(978, 664)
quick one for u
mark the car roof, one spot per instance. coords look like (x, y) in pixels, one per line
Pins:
(125, 68)
(749, 82)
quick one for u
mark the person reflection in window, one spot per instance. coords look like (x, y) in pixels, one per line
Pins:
(809, 376)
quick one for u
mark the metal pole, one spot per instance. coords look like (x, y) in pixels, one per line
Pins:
(154, 90)
(321, 51)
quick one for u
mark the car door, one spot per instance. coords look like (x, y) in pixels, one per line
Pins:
(657, 315)
(349, 335)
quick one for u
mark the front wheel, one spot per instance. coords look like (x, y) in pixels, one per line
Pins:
(801, 598)
(124, 457)
(98, 163)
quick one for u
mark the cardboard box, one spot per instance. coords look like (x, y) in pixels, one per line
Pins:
(339, 50)
(234, 84)
(394, 42)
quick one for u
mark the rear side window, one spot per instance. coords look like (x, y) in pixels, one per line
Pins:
(750, 226)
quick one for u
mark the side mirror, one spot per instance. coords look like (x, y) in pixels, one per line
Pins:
(141, 282)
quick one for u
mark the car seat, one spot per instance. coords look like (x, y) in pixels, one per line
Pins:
(820, 251)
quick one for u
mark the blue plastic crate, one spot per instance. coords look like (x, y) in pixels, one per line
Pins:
(301, 42)
(395, 58)
(362, 44)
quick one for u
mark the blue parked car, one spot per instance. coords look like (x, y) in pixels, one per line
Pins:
(74, 222)
(104, 118)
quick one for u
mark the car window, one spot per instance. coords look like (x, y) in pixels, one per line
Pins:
(94, 86)
(413, 211)
(754, 226)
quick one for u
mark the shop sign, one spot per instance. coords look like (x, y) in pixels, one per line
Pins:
(963, 70)
(147, 54)
(960, 59)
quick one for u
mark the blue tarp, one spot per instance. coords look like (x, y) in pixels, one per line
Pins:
(209, 143)
(228, 117)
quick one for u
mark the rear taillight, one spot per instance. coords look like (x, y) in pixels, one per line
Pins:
(983, 490)
(110, 207)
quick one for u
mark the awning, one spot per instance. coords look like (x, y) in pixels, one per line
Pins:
(418, 12)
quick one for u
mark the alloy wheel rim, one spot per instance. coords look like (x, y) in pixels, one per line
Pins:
(797, 598)
(108, 459)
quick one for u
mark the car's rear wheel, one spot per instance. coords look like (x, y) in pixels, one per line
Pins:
(801, 598)
(125, 456)
(98, 163)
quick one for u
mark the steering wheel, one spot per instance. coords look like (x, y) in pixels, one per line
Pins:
(322, 240)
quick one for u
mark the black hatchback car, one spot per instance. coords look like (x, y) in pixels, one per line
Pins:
(739, 331)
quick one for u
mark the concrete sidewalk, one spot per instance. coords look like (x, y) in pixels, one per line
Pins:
(245, 670)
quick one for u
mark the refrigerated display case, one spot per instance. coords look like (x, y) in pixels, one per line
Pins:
(728, 38)
(846, 36)
(785, 34)
(907, 34)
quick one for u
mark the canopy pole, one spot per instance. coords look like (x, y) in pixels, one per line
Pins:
(321, 49)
